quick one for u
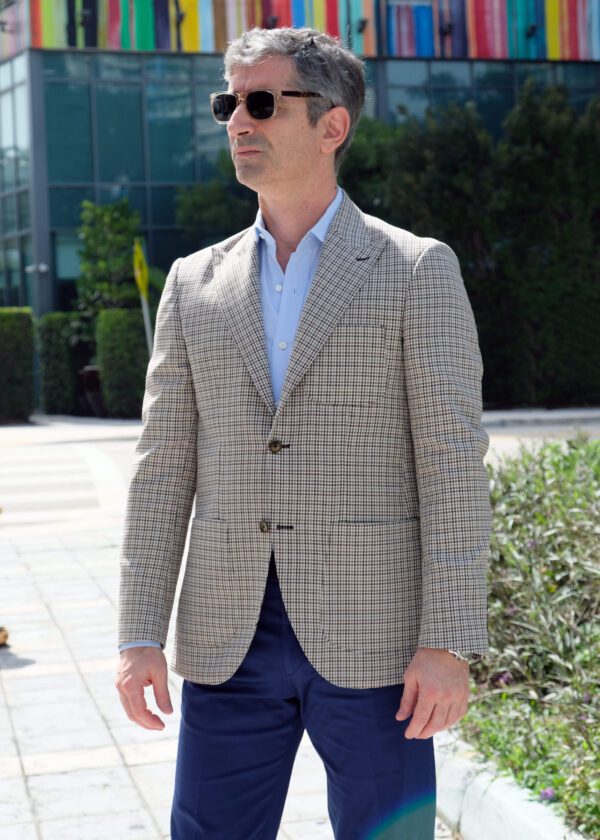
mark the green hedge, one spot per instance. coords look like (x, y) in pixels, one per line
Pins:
(57, 366)
(122, 356)
(16, 364)
(536, 705)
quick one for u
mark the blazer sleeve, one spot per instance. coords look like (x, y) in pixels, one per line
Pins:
(443, 372)
(163, 482)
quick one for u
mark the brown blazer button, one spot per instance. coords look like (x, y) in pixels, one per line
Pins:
(275, 446)
(264, 526)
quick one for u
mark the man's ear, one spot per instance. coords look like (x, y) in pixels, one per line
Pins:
(335, 128)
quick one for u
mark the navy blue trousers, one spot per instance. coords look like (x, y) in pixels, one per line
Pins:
(238, 741)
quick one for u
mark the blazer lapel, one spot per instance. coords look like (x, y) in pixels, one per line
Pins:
(237, 286)
(347, 259)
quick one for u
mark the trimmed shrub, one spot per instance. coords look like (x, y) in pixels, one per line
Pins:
(122, 356)
(57, 365)
(17, 399)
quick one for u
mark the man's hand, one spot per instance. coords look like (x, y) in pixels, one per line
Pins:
(436, 692)
(139, 667)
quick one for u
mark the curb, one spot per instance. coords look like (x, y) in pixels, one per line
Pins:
(480, 802)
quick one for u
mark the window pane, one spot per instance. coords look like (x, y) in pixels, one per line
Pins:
(542, 73)
(20, 68)
(6, 74)
(496, 73)
(579, 74)
(407, 102)
(66, 257)
(113, 66)
(22, 135)
(210, 140)
(163, 205)
(65, 205)
(66, 65)
(403, 72)
(136, 195)
(13, 272)
(443, 98)
(450, 73)
(68, 133)
(9, 214)
(170, 132)
(162, 68)
(494, 105)
(7, 142)
(23, 210)
(119, 122)
(208, 70)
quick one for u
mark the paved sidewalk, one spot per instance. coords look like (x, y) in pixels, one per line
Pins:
(72, 765)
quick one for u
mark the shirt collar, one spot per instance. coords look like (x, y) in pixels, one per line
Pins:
(319, 229)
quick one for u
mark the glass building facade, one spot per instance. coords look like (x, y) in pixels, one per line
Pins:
(99, 101)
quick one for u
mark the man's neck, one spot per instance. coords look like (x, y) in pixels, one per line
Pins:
(288, 219)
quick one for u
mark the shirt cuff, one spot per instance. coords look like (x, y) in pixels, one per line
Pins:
(143, 643)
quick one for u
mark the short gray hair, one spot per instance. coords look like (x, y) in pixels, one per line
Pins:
(322, 64)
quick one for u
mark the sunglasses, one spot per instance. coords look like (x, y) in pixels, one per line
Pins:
(260, 104)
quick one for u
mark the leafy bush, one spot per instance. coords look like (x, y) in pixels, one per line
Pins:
(16, 364)
(536, 703)
(57, 365)
(123, 360)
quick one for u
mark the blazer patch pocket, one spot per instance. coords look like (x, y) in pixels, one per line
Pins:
(207, 614)
(351, 368)
(372, 585)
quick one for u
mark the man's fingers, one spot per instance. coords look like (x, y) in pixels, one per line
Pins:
(162, 696)
(141, 712)
(420, 717)
(436, 722)
(409, 698)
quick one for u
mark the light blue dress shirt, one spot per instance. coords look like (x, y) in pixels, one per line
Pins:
(282, 295)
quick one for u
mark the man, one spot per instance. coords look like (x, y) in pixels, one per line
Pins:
(316, 386)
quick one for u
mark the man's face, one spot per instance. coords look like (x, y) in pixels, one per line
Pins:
(272, 155)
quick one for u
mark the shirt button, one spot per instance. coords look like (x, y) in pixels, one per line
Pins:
(282, 345)
(278, 287)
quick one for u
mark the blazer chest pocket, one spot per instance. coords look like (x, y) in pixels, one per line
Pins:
(208, 613)
(351, 368)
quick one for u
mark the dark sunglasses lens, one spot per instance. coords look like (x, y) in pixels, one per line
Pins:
(260, 104)
(223, 106)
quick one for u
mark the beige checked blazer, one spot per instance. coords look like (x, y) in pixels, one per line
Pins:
(367, 479)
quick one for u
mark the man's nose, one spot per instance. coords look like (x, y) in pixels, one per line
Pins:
(240, 122)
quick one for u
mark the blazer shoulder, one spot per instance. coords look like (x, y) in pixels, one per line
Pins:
(199, 264)
(404, 243)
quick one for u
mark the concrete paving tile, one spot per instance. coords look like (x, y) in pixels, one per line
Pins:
(157, 783)
(47, 637)
(163, 818)
(77, 589)
(305, 806)
(319, 829)
(104, 663)
(51, 656)
(136, 825)
(129, 733)
(22, 831)
(64, 761)
(160, 751)
(19, 592)
(10, 767)
(83, 793)
(43, 690)
(14, 802)
(14, 571)
(39, 669)
(33, 610)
